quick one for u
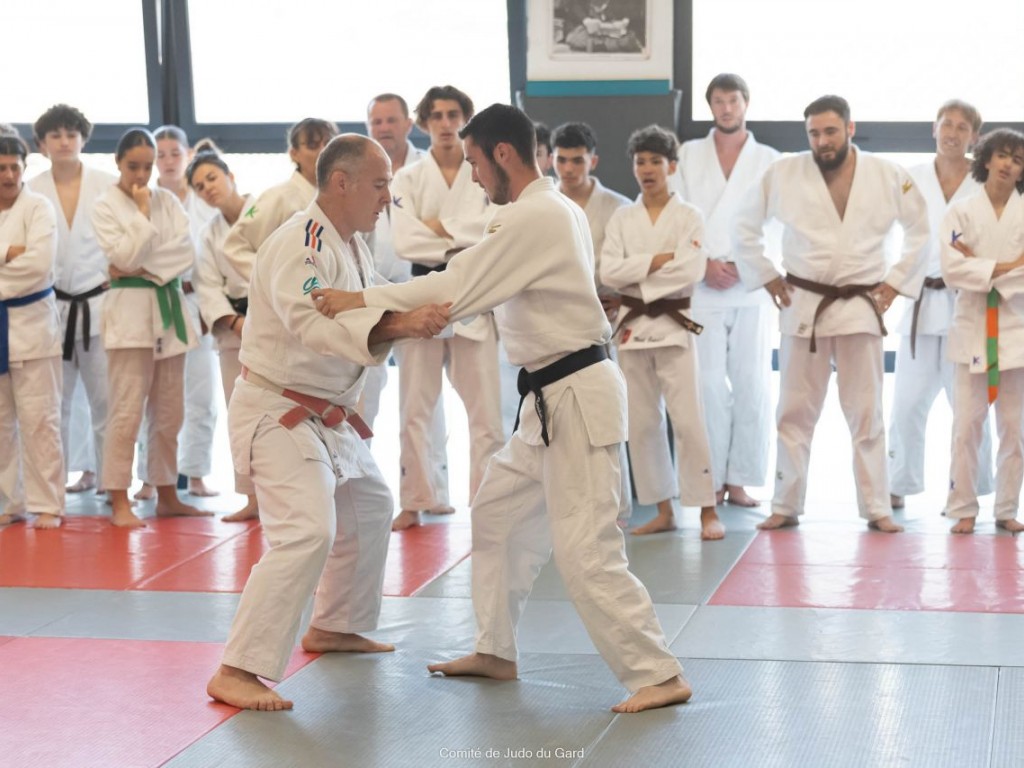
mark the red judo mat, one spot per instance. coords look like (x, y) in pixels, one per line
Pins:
(193, 555)
(83, 703)
(907, 571)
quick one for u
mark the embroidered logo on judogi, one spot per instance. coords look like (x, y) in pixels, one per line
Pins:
(251, 213)
(955, 236)
(310, 262)
(396, 201)
(309, 285)
(907, 186)
(314, 229)
(975, 360)
(695, 243)
(493, 228)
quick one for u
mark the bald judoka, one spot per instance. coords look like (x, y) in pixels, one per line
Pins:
(556, 483)
(323, 502)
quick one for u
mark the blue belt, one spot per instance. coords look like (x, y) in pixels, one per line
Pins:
(18, 301)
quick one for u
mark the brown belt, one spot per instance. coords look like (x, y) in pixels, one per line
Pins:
(830, 294)
(330, 414)
(936, 284)
(671, 307)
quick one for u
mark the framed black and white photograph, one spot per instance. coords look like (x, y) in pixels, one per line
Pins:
(600, 28)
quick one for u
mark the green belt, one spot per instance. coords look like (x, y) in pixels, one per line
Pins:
(167, 297)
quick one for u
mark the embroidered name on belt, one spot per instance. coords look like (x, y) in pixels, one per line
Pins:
(314, 230)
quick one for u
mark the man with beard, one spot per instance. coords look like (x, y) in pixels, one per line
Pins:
(836, 205)
(555, 484)
(714, 173)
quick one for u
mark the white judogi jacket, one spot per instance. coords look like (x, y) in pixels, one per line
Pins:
(162, 246)
(817, 245)
(420, 192)
(216, 279)
(287, 341)
(700, 182)
(81, 263)
(992, 240)
(33, 330)
(534, 268)
(272, 209)
(382, 239)
(936, 306)
(602, 204)
(631, 241)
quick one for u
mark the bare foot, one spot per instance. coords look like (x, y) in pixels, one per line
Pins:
(251, 511)
(885, 525)
(442, 509)
(47, 521)
(9, 518)
(711, 528)
(665, 520)
(897, 502)
(1013, 526)
(776, 521)
(322, 641)
(121, 511)
(197, 487)
(145, 493)
(244, 690)
(85, 483)
(477, 665)
(674, 691)
(720, 495)
(407, 518)
(169, 505)
(964, 525)
(739, 497)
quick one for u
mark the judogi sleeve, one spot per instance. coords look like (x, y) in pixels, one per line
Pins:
(907, 275)
(414, 240)
(247, 234)
(688, 264)
(213, 303)
(958, 271)
(127, 245)
(24, 272)
(748, 235)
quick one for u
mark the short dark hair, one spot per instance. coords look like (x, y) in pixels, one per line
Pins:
(14, 145)
(311, 128)
(347, 150)
(132, 138)
(205, 157)
(970, 112)
(1001, 139)
(829, 103)
(543, 135)
(389, 97)
(172, 132)
(448, 93)
(574, 135)
(503, 124)
(62, 116)
(653, 138)
(728, 82)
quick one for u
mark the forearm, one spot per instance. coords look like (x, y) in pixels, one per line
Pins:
(390, 327)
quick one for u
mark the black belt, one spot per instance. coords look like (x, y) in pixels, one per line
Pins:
(241, 306)
(831, 294)
(77, 299)
(419, 270)
(549, 374)
(936, 284)
(671, 307)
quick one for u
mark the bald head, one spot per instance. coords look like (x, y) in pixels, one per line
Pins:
(346, 152)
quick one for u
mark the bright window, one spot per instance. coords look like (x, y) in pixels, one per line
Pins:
(282, 60)
(87, 54)
(893, 61)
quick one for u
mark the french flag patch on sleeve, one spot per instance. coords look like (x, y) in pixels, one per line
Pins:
(314, 230)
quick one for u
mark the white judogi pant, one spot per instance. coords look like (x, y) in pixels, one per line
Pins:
(326, 532)
(195, 450)
(472, 368)
(735, 370)
(918, 381)
(660, 379)
(90, 367)
(139, 383)
(564, 496)
(803, 385)
(31, 460)
(970, 413)
(230, 370)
